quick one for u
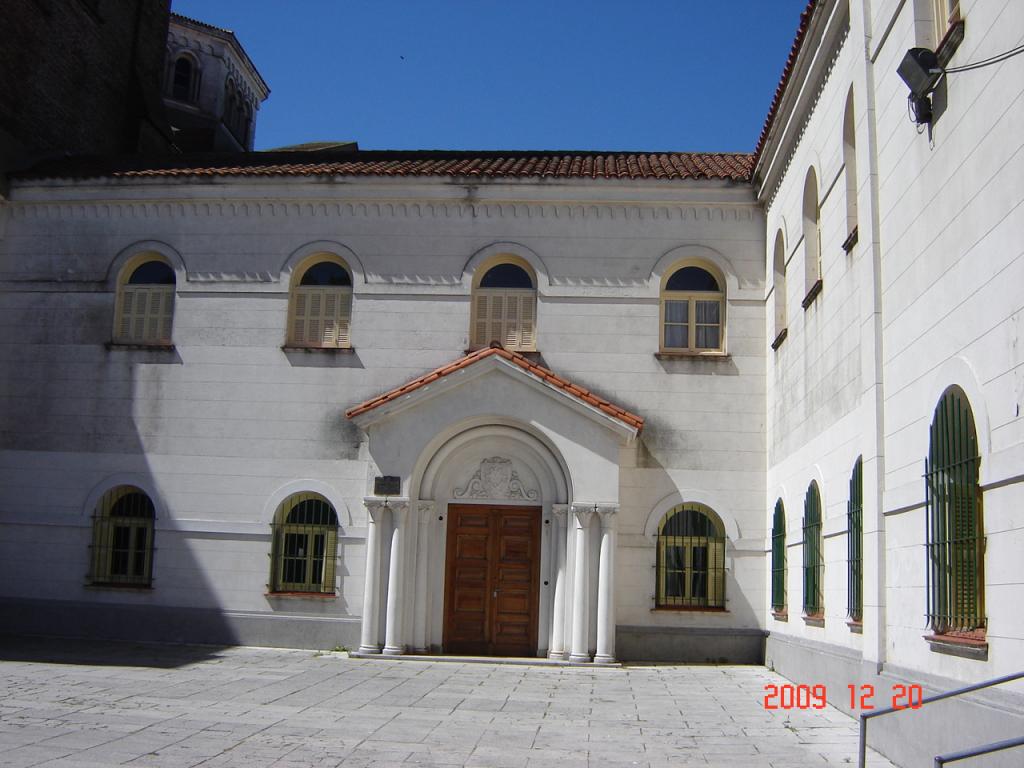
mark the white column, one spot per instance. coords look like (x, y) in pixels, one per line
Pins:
(370, 641)
(606, 589)
(580, 593)
(424, 512)
(556, 649)
(394, 643)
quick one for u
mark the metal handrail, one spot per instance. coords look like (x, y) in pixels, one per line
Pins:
(995, 746)
(865, 716)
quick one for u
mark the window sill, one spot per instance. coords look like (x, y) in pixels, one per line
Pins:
(673, 354)
(689, 609)
(856, 626)
(780, 616)
(122, 346)
(329, 350)
(812, 294)
(967, 645)
(780, 338)
(531, 353)
(119, 587)
(815, 620)
(851, 240)
(316, 595)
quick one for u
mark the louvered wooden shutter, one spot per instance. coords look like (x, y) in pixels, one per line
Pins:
(505, 315)
(320, 317)
(330, 559)
(716, 572)
(146, 314)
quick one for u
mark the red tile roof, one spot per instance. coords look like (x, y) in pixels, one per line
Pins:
(787, 71)
(588, 397)
(484, 164)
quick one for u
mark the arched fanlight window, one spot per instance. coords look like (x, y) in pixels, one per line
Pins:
(691, 559)
(955, 536)
(850, 164)
(122, 538)
(814, 556)
(779, 558)
(812, 238)
(505, 306)
(692, 311)
(145, 302)
(320, 303)
(305, 545)
(779, 289)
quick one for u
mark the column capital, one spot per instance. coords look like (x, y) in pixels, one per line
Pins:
(601, 508)
(561, 511)
(426, 506)
(376, 504)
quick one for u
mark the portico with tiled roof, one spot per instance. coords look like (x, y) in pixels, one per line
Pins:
(498, 460)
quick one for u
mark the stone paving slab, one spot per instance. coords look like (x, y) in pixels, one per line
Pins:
(74, 704)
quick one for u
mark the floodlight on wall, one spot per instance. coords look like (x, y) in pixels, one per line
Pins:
(920, 70)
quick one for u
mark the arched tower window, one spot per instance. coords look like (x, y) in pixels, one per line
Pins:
(779, 288)
(505, 306)
(305, 545)
(692, 310)
(691, 559)
(855, 543)
(779, 558)
(320, 303)
(145, 302)
(814, 556)
(955, 535)
(122, 538)
(183, 79)
(812, 238)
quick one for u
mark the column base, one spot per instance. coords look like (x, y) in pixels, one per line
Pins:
(393, 650)
(604, 659)
(557, 655)
(579, 658)
(369, 649)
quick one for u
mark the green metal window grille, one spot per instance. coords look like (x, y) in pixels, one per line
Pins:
(305, 542)
(814, 563)
(691, 559)
(779, 558)
(122, 539)
(855, 543)
(954, 535)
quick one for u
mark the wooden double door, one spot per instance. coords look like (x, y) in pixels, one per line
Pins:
(492, 574)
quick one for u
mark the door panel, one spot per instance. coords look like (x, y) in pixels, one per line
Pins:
(492, 580)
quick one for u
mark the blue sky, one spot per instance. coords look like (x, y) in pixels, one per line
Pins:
(689, 75)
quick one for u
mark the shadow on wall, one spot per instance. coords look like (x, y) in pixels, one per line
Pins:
(80, 420)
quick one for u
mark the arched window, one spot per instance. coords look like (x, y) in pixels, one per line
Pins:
(955, 532)
(230, 103)
(320, 304)
(691, 559)
(814, 556)
(855, 543)
(779, 289)
(145, 302)
(505, 306)
(812, 238)
(779, 558)
(692, 311)
(305, 545)
(850, 164)
(122, 538)
(183, 79)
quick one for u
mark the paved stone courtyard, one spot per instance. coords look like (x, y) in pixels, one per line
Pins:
(69, 703)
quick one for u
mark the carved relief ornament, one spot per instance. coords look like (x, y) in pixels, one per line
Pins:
(496, 478)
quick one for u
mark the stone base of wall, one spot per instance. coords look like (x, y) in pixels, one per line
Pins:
(911, 737)
(113, 621)
(690, 645)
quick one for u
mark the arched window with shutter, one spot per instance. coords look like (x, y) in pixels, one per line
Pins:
(122, 539)
(850, 166)
(814, 556)
(144, 313)
(692, 310)
(812, 238)
(505, 306)
(320, 303)
(305, 545)
(955, 536)
(779, 558)
(779, 290)
(691, 559)
(855, 543)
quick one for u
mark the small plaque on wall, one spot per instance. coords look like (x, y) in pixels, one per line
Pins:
(387, 485)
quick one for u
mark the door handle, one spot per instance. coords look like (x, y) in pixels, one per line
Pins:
(495, 593)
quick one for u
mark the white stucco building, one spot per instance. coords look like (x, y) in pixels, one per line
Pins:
(258, 399)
